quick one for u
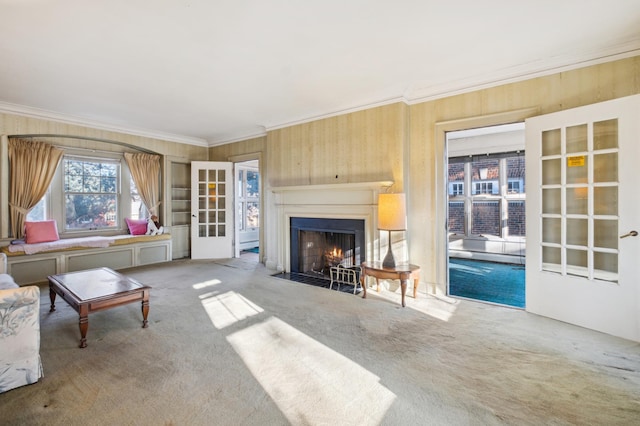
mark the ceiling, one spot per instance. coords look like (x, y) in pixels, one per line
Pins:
(207, 72)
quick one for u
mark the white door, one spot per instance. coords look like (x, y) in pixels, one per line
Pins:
(211, 210)
(582, 210)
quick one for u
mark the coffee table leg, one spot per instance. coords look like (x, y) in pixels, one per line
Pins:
(52, 296)
(84, 326)
(145, 309)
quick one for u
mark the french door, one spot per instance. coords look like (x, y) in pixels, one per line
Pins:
(212, 217)
(583, 211)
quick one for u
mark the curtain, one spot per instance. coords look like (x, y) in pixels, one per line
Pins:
(32, 166)
(145, 170)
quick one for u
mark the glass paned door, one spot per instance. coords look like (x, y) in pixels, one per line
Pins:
(212, 204)
(582, 211)
(579, 193)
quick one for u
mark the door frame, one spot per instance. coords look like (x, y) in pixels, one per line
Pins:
(241, 159)
(440, 181)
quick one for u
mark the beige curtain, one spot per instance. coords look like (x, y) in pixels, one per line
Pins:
(32, 166)
(145, 170)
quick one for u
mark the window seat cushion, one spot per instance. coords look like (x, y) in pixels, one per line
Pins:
(81, 243)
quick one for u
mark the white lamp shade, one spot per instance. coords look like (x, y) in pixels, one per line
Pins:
(392, 212)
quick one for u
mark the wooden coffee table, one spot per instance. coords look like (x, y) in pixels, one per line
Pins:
(95, 290)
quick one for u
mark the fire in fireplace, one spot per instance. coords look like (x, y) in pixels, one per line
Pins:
(317, 244)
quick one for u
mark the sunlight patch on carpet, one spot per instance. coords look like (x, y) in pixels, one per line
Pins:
(228, 308)
(295, 369)
(204, 284)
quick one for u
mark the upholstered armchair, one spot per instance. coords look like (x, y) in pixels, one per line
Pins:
(19, 332)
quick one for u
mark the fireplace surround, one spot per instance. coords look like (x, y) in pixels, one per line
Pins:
(347, 201)
(317, 244)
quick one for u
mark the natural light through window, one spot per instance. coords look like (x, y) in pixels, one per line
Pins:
(228, 308)
(205, 284)
(295, 369)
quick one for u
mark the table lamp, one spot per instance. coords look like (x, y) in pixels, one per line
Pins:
(392, 216)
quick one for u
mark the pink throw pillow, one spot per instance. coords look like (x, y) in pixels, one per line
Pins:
(136, 226)
(41, 231)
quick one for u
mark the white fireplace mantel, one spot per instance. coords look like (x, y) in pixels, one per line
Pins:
(339, 201)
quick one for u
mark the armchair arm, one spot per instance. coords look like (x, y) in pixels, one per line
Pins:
(19, 337)
(3, 263)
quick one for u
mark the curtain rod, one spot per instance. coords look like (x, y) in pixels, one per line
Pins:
(44, 135)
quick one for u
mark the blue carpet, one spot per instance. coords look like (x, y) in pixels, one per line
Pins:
(488, 281)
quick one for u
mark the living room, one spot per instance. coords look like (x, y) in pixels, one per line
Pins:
(396, 146)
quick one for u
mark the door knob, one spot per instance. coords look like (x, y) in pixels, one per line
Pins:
(630, 234)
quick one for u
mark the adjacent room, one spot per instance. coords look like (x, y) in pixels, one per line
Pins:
(319, 213)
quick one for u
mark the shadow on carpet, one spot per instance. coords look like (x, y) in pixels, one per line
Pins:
(316, 281)
(499, 283)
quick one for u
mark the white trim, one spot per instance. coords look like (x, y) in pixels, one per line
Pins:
(411, 96)
(27, 111)
(523, 72)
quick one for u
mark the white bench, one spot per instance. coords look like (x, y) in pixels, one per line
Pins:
(126, 251)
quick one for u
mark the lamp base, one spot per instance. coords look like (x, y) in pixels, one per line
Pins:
(389, 261)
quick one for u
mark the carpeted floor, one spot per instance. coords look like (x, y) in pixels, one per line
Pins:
(494, 282)
(228, 344)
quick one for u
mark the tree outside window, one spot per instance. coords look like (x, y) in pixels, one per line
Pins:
(91, 191)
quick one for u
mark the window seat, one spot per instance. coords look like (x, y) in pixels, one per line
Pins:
(68, 255)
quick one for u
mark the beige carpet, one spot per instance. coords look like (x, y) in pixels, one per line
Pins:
(228, 344)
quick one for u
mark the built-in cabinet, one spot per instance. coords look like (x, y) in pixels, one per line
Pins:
(180, 209)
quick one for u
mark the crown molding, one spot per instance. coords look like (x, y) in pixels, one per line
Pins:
(350, 110)
(523, 72)
(219, 142)
(32, 112)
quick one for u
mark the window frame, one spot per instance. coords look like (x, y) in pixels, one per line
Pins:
(478, 191)
(56, 195)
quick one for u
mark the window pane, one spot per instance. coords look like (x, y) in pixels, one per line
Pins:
(605, 200)
(253, 215)
(486, 217)
(456, 217)
(551, 142)
(253, 187)
(84, 211)
(551, 201)
(516, 221)
(605, 134)
(485, 175)
(38, 212)
(577, 138)
(91, 193)
(551, 170)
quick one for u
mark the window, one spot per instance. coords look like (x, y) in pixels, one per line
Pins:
(248, 199)
(484, 188)
(39, 211)
(86, 194)
(456, 189)
(91, 193)
(497, 184)
(514, 187)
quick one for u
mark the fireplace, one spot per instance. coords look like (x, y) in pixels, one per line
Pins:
(317, 244)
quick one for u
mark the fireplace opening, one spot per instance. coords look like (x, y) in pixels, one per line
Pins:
(318, 244)
(319, 251)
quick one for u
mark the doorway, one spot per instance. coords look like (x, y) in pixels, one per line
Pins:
(486, 214)
(247, 179)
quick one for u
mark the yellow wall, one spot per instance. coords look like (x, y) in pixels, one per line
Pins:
(405, 143)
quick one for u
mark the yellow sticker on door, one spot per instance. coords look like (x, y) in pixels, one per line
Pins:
(575, 161)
